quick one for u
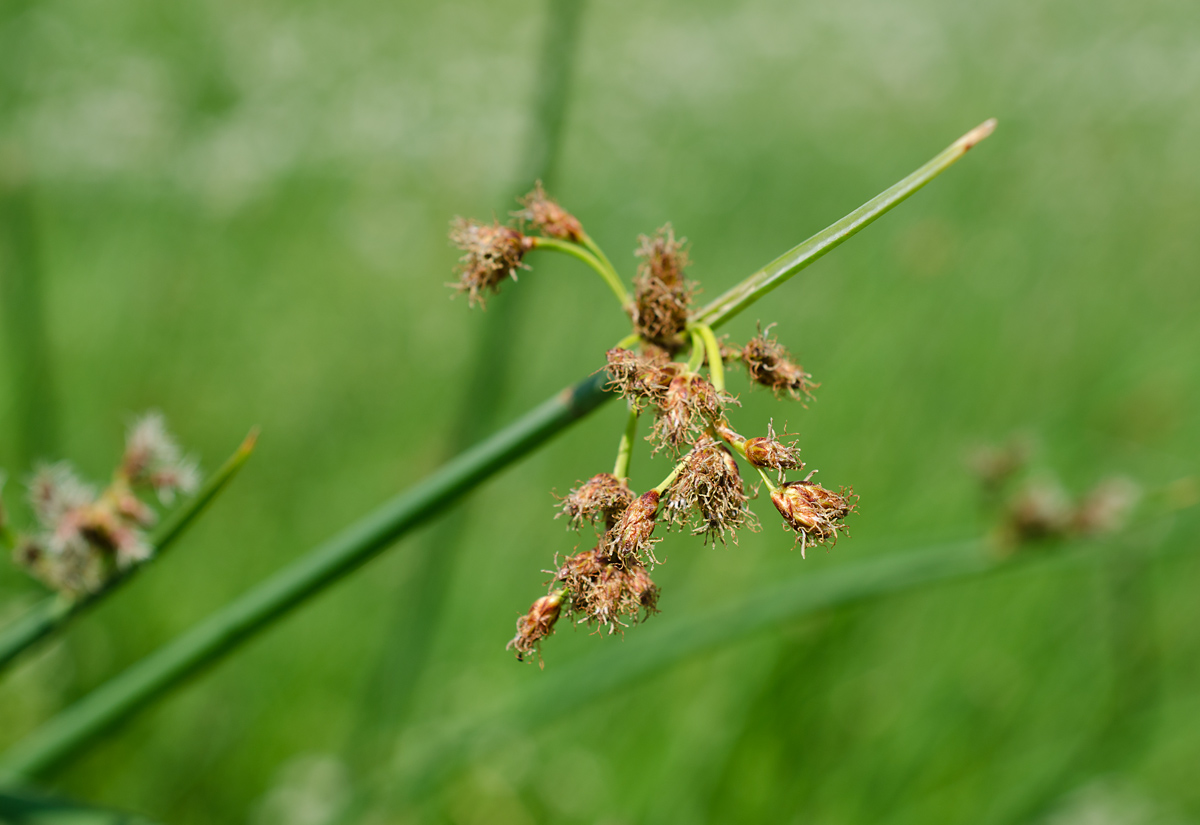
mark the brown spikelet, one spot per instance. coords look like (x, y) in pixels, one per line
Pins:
(491, 253)
(548, 217)
(769, 364)
(661, 294)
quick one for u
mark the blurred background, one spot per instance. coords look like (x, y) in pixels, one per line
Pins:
(236, 213)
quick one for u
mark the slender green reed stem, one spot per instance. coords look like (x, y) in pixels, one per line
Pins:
(625, 448)
(224, 631)
(595, 249)
(716, 367)
(575, 250)
(785, 266)
(696, 361)
(53, 613)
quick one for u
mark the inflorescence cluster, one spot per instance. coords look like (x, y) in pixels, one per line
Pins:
(672, 367)
(85, 536)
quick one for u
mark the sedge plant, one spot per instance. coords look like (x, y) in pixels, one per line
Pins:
(224, 632)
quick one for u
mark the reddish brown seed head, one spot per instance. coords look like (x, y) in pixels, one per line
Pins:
(548, 217)
(769, 452)
(708, 493)
(689, 405)
(537, 624)
(603, 497)
(640, 378)
(491, 253)
(815, 513)
(769, 364)
(630, 541)
(661, 295)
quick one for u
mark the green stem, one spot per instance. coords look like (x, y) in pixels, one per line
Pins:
(224, 631)
(785, 266)
(625, 448)
(595, 249)
(669, 480)
(716, 368)
(628, 341)
(577, 251)
(53, 613)
(697, 360)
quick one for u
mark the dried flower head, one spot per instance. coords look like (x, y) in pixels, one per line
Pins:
(769, 364)
(630, 541)
(492, 252)
(606, 593)
(816, 514)
(640, 378)
(769, 452)
(537, 624)
(1106, 508)
(84, 536)
(153, 458)
(548, 217)
(690, 404)
(661, 295)
(1040, 510)
(708, 492)
(601, 496)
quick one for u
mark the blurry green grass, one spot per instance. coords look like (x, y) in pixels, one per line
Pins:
(243, 212)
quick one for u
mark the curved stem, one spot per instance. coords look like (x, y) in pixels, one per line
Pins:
(697, 360)
(595, 249)
(669, 480)
(577, 251)
(716, 368)
(625, 448)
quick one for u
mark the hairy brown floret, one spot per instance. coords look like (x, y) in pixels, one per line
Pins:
(606, 592)
(603, 496)
(640, 378)
(769, 452)
(630, 541)
(491, 253)
(536, 625)
(816, 514)
(661, 295)
(548, 217)
(708, 493)
(689, 405)
(769, 364)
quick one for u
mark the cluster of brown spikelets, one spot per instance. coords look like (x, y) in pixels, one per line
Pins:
(85, 536)
(609, 586)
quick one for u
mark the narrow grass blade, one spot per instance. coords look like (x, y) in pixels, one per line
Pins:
(788, 264)
(55, 612)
